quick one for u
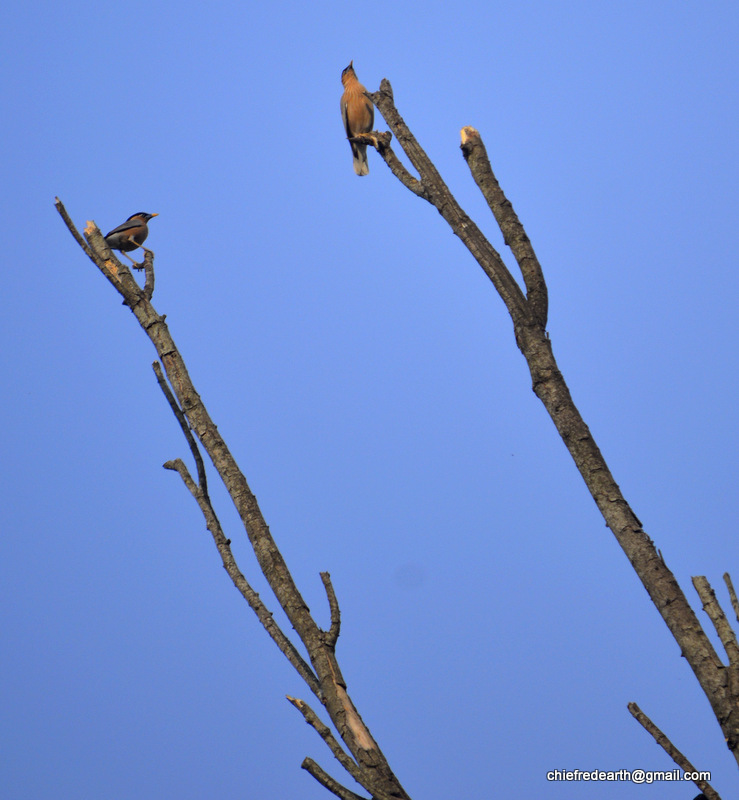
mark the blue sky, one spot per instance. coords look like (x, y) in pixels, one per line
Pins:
(365, 375)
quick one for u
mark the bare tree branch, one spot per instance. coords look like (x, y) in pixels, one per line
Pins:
(528, 312)
(381, 141)
(324, 732)
(718, 618)
(332, 634)
(287, 648)
(309, 765)
(732, 595)
(436, 192)
(513, 231)
(671, 750)
(148, 267)
(72, 229)
(528, 315)
(180, 417)
(325, 678)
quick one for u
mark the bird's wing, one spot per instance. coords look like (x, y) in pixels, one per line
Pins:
(124, 226)
(371, 112)
(345, 117)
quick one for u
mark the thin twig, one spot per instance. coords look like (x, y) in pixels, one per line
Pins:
(287, 648)
(718, 618)
(332, 634)
(72, 229)
(381, 142)
(732, 594)
(333, 745)
(671, 750)
(149, 272)
(185, 427)
(310, 766)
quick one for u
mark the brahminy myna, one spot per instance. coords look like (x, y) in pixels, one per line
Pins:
(358, 115)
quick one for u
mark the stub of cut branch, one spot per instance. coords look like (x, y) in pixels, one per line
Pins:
(671, 750)
(332, 634)
(514, 234)
(148, 267)
(377, 139)
(113, 269)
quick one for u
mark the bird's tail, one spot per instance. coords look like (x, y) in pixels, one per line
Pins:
(359, 151)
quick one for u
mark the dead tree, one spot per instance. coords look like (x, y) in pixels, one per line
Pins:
(355, 749)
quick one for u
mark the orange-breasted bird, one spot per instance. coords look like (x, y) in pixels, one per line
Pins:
(130, 234)
(358, 114)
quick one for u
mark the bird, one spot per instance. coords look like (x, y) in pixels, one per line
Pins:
(358, 115)
(130, 234)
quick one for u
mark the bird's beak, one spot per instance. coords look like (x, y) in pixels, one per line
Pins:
(155, 215)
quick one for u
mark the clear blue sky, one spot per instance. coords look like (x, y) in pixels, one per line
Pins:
(365, 375)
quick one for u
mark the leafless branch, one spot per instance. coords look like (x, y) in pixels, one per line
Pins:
(333, 633)
(732, 595)
(528, 314)
(324, 732)
(287, 648)
(72, 229)
(718, 618)
(180, 417)
(323, 676)
(436, 192)
(149, 273)
(381, 141)
(310, 766)
(514, 234)
(671, 750)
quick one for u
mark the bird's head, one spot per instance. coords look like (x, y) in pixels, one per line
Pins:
(142, 215)
(348, 72)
